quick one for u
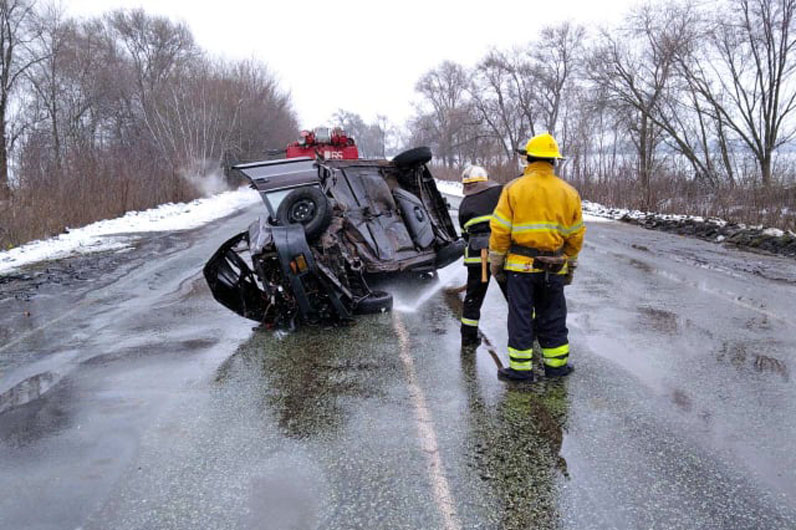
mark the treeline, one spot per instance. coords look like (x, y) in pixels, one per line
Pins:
(119, 112)
(377, 139)
(680, 107)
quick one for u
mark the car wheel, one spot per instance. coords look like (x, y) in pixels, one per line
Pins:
(376, 302)
(413, 157)
(306, 206)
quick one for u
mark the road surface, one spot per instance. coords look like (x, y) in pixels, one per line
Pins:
(130, 399)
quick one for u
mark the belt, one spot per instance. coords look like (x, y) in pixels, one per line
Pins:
(531, 252)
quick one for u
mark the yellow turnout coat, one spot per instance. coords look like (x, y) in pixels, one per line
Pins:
(537, 210)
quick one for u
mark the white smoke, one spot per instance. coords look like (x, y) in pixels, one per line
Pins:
(206, 177)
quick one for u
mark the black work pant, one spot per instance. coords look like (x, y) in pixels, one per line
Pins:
(474, 298)
(537, 304)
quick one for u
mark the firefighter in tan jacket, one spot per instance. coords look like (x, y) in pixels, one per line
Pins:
(537, 233)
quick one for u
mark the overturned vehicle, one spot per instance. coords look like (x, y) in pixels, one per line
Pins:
(331, 226)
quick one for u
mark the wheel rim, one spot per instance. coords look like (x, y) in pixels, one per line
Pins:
(303, 211)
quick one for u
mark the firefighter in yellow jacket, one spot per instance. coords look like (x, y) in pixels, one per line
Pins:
(537, 233)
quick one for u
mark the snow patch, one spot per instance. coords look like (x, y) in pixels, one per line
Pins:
(588, 218)
(775, 232)
(449, 187)
(456, 189)
(115, 234)
(713, 229)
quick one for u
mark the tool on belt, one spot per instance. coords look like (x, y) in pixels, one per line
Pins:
(484, 264)
(546, 260)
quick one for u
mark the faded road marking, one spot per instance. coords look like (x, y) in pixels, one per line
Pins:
(426, 433)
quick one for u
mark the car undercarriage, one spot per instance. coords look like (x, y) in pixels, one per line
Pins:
(331, 225)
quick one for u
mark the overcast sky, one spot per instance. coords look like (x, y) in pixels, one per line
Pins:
(362, 56)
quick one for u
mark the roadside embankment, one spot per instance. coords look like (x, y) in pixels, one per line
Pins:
(120, 233)
(747, 237)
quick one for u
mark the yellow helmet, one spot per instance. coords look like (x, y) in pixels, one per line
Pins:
(474, 174)
(542, 146)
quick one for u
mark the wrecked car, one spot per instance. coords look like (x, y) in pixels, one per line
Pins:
(330, 226)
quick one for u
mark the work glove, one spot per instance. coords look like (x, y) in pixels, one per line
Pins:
(496, 263)
(572, 264)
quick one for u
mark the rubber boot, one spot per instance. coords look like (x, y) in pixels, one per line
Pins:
(470, 337)
(510, 374)
(561, 371)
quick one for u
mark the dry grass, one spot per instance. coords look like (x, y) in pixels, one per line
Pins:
(753, 205)
(49, 203)
(746, 203)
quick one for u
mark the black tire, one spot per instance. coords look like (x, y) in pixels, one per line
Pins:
(307, 206)
(413, 157)
(376, 302)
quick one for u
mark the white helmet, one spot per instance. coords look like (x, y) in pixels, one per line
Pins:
(474, 174)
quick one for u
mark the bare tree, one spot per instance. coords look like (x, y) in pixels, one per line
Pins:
(45, 78)
(556, 56)
(444, 90)
(124, 112)
(160, 51)
(635, 67)
(746, 75)
(17, 31)
(499, 95)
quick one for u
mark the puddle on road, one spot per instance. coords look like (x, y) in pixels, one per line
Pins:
(304, 377)
(514, 447)
(28, 390)
(35, 408)
(314, 381)
(514, 439)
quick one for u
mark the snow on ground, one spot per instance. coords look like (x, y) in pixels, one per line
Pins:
(118, 234)
(595, 219)
(754, 237)
(774, 232)
(449, 187)
(638, 217)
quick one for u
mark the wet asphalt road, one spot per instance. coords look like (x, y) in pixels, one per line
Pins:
(129, 399)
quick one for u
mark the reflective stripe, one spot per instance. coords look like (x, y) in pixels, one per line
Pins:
(574, 228)
(521, 354)
(558, 350)
(469, 322)
(502, 220)
(476, 220)
(520, 365)
(468, 259)
(547, 227)
(556, 357)
(555, 363)
(536, 227)
(521, 359)
(527, 266)
(521, 267)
